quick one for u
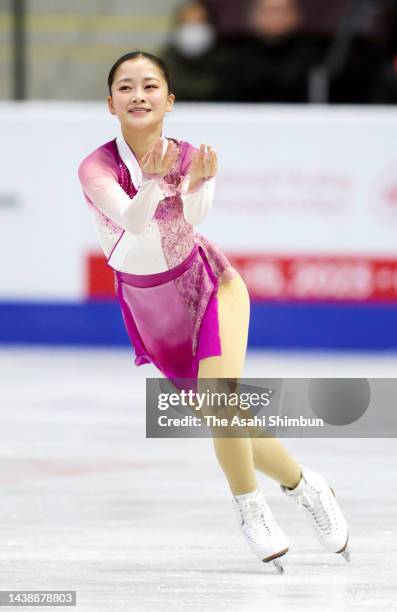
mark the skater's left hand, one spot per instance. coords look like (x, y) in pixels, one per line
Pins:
(203, 166)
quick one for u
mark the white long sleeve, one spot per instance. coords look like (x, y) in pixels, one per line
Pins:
(198, 203)
(135, 240)
(132, 214)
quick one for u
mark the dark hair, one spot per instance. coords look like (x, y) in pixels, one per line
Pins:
(177, 13)
(135, 55)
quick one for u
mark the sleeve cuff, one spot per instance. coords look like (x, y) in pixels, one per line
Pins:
(167, 189)
(183, 187)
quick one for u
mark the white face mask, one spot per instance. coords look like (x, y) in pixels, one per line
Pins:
(193, 39)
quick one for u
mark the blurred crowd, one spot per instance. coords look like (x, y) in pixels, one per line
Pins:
(275, 57)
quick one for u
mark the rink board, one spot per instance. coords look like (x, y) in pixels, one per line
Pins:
(272, 325)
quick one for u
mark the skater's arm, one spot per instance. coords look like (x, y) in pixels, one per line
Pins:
(100, 184)
(198, 186)
(197, 203)
(132, 214)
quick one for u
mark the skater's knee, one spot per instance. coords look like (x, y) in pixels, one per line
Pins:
(220, 408)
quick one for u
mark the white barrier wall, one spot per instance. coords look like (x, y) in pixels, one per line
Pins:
(292, 181)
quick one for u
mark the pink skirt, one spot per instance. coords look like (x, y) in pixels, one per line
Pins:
(172, 317)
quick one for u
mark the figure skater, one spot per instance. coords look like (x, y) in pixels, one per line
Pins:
(185, 308)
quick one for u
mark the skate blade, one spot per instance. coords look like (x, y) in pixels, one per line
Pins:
(278, 565)
(346, 553)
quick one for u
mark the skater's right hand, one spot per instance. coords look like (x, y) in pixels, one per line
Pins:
(154, 163)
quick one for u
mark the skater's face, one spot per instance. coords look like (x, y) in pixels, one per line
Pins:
(140, 84)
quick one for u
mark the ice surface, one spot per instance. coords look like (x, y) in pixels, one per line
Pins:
(89, 504)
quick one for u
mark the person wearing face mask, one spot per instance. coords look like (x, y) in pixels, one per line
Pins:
(192, 53)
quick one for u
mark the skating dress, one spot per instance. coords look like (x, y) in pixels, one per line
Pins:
(166, 274)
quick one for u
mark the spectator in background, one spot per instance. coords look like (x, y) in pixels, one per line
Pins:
(385, 85)
(273, 63)
(354, 81)
(385, 88)
(192, 53)
(357, 52)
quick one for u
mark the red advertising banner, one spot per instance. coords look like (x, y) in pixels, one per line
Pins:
(311, 277)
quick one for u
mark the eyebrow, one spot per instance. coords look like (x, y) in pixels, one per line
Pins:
(145, 79)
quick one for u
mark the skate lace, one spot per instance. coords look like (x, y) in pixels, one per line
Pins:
(315, 504)
(258, 516)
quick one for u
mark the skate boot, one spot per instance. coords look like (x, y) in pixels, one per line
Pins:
(315, 494)
(260, 529)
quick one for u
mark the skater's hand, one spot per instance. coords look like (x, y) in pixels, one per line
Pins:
(154, 163)
(203, 166)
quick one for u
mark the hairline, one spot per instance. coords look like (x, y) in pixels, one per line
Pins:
(158, 63)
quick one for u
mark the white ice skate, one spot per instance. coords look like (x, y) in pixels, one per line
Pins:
(326, 517)
(260, 530)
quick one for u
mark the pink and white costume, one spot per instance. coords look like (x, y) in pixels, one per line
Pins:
(166, 275)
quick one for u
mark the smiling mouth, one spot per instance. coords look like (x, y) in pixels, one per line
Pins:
(139, 110)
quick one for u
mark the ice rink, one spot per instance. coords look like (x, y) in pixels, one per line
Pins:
(89, 504)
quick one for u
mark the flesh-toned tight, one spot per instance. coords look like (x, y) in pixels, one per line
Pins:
(240, 456)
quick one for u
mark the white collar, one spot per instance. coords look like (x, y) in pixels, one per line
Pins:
(130, 160)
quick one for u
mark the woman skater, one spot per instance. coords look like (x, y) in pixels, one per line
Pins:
(185, 308)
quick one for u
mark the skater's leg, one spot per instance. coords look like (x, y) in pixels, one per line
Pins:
(233, 314)
(273, 459)
(234, 454)
(269, 455)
